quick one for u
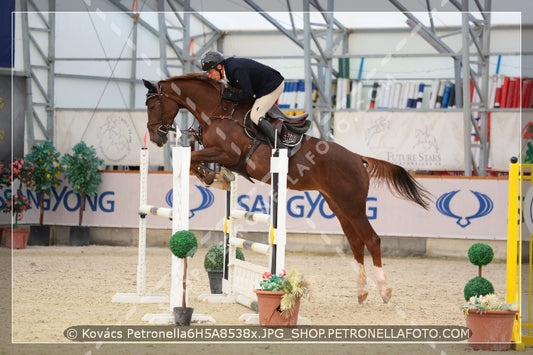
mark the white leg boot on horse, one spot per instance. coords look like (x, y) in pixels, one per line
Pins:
(223, 179)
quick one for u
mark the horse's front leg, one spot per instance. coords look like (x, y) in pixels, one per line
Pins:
(207, 176)
(203, 173)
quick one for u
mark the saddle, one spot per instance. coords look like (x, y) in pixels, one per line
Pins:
(290, 128)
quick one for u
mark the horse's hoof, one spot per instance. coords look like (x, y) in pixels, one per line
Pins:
(386, 295)
(226, 175)
(221, 185)
(362, 297)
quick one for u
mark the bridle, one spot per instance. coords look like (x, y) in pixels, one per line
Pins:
(163, 128)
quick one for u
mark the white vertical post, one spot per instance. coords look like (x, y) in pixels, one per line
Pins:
(141, 296)
(279, 166)
(143, 196)
(181, 159)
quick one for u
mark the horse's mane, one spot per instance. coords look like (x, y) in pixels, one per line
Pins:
(196, 76)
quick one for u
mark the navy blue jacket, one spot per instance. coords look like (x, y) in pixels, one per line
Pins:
(252, 77)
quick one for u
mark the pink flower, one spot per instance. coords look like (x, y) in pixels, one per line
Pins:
(266, 275)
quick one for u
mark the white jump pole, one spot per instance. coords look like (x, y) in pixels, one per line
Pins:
(141, 296)
(181, 160)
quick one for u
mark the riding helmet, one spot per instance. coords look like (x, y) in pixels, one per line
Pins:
(211, 59)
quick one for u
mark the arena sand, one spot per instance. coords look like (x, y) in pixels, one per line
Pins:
(58, 287)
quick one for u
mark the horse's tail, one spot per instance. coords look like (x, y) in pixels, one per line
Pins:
(398, 180)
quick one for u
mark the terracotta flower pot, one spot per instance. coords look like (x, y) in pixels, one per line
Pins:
(20, 238)
(268, 303)
(491, 330)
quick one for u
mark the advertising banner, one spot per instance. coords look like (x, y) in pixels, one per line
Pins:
(461, 208)
(116, 135)
(505, 138)
(413, 140)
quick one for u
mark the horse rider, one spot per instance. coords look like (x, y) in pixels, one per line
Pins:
(254, 79)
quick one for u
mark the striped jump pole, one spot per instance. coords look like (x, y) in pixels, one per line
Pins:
(155, 211)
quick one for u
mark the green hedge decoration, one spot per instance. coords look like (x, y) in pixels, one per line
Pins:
(480, 254)
(183, 244)
(214, 258)
(478, 286)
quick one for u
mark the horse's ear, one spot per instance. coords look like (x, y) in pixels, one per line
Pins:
(150, 86)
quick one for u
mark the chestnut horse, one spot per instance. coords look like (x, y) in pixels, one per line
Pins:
(341, 176)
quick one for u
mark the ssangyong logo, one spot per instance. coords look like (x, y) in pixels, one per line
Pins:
(485, 207)
(207, 200)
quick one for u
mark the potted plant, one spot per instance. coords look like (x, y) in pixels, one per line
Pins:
(46, 161)
(278, 298)
(214, 264)
(81, 170)
(489, 320)
(479, 254)
(16, 203)
(183, 244)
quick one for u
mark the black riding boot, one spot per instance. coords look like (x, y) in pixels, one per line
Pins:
(270, 132)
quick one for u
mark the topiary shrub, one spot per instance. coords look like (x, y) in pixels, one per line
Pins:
(183, 244)
(480, 254)
(214, 258)
(478, 286)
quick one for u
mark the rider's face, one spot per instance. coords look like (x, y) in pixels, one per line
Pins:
(215, 74)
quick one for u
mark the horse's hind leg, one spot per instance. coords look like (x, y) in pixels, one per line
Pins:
(356, 245)
(358, 250)
(373, 244)
(360, 233)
